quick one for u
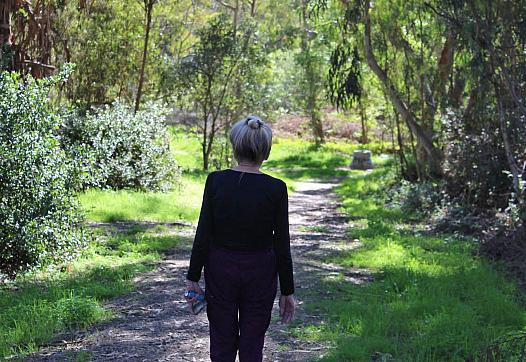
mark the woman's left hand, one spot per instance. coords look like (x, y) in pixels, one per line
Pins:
(287, 308)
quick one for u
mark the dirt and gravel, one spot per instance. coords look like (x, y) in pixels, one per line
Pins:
(153, 323)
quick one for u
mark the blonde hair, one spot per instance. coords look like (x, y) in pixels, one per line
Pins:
(251, 139)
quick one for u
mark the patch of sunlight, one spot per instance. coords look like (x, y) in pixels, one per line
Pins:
(382, 255)
(432, 268)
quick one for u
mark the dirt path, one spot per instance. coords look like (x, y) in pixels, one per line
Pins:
(153, 323)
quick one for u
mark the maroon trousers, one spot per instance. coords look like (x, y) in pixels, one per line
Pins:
(240, 290)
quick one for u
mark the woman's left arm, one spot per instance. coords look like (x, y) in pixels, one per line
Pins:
(202, 235)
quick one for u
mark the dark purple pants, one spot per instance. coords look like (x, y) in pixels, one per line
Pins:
(240, 290)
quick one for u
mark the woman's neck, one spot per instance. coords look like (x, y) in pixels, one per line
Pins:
(247, 167)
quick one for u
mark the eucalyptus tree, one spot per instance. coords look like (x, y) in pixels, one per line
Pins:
(103, 38)
(492, 40)
(453, 72)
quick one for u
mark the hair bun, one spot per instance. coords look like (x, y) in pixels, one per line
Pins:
(254, 123)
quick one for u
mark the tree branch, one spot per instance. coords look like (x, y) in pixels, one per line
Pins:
(226, 5)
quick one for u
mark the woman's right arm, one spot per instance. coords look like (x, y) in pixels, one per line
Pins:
(202, 235)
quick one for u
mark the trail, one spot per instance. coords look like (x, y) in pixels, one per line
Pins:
(153, 323)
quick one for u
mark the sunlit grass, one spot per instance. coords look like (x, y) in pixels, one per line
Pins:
(181, 204)
(185, 146)
(36, 307)
(432, 299)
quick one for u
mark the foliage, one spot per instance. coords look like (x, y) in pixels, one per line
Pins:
(344, 78)
(219, 80)
(422, 198)
(39, 216)
(475, 156)
(104, 40)
(122, 149)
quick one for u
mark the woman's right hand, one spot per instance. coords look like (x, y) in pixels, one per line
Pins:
(287, 307)
(193, 286)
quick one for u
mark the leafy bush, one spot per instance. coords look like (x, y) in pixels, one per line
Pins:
(39, 217)
(422, 198)
(122, 149)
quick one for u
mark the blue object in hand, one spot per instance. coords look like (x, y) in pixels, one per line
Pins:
(199, 304)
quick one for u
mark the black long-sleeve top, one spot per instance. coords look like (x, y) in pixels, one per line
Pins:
(244, 211)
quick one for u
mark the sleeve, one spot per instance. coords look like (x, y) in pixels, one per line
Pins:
(282, 246)
(202, 235)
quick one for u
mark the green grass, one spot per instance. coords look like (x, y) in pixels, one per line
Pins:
(34, 308)
(186, 148)
(313, 228)
(182, 204)
(431, 300)
(299, 160)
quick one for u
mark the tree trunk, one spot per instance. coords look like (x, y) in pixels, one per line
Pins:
(310, 74)
(204, 144)
(148, 8)
(512, 164)
(7, 56)
(434, 155)
(363, 119)
(497, 81)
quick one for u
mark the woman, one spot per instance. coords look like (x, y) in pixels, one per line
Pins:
(243, 242)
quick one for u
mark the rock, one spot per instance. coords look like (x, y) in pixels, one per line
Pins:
(361, 160)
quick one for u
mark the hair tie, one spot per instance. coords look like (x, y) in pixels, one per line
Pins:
(253, 122)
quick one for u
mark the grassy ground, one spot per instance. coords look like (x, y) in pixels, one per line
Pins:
(432, 299)
(181, 204)
(296, 159)
(36, 307)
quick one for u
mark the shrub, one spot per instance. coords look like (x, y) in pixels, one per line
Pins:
(422, 198)
(122, 149)
(39, 217)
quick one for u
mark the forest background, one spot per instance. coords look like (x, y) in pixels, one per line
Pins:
(139, 96)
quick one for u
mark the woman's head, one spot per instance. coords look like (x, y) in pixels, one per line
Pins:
(251, 140)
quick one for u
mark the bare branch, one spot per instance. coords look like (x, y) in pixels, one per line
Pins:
(228, 6)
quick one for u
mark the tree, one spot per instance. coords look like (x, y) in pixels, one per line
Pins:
(434, 154)
(25, 36)
(310, 60)
(104, 39)
(494, 38)
(205, 76)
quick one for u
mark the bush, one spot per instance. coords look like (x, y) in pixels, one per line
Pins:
(122, 149)
(422, 198)
(39, 217)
